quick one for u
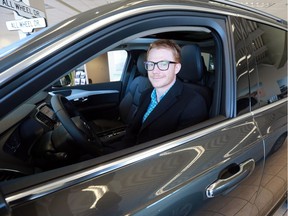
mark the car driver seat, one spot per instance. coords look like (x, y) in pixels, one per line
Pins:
(192, 71)
(130, 102)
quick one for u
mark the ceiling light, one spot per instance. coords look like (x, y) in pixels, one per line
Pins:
(257, 4)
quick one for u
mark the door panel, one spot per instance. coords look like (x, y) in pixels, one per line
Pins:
(267, 66)
(273, 127)
(170, 179)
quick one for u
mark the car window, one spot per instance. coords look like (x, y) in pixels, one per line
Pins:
(116, 62)
(268, 62)
(107, 67)
(208, 61)
(209, 76)
(260, 60)
(243, 93)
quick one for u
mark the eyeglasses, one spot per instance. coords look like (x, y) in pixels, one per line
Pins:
(162, 65)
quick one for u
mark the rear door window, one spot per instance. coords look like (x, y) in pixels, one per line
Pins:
(116, 63)
(267, 60)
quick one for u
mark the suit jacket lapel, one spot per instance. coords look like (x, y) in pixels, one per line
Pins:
(142, 109)
(169, 99)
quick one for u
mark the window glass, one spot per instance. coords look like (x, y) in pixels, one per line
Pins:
(243, 92)
(261, 60)
(267, 59)
(209, 75)
(116, 62)
(107, 67)
(208, 61)
(251, 32)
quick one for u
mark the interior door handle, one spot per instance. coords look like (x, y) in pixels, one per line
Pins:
(222, 185)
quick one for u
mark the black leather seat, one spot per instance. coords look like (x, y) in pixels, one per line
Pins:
(192, 71)
(130, 102)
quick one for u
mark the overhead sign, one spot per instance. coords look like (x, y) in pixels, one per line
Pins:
(21, 8)
(26, 25)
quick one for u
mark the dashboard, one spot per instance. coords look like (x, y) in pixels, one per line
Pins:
(46, 116)
(33, 137)
(28, 132)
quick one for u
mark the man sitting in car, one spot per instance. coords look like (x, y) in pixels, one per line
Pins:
(170, 105)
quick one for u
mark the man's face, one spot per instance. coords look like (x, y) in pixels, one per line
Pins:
(162, 79)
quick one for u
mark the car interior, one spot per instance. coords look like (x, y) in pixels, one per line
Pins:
(35, 139)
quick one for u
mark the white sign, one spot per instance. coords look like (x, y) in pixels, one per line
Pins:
(21, 9)
(26, 25)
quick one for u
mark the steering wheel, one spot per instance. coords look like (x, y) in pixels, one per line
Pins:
(75, 124)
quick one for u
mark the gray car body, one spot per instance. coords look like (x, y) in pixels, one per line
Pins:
(174, 175)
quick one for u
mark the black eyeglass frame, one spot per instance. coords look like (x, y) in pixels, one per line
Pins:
(156, 63)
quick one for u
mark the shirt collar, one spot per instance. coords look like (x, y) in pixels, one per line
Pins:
(154, 95)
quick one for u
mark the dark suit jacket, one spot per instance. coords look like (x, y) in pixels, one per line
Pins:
(179, 108)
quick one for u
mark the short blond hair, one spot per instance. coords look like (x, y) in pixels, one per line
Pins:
(168, 44)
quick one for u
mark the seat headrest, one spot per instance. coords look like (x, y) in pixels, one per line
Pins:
(191, 65)
(140, 64)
